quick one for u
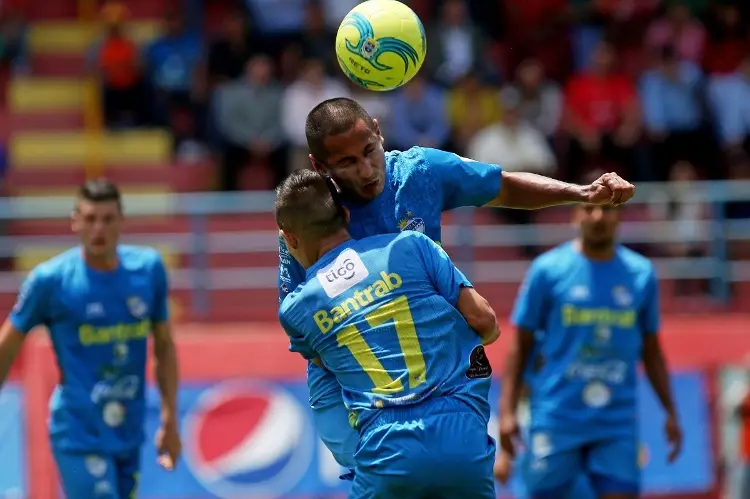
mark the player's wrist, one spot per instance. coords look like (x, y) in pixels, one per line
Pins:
(168, 418)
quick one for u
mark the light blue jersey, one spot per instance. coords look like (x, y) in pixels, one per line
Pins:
(593, 315)
(420, 185)
(380, 314)
(99, 323)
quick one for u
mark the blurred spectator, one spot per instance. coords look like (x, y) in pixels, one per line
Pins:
(683, 207)
(729, 96)
(172, 62)
(541, 99)
(377, 104)
(13, 38)
(249, 119)
(336, 10)
(456, 46)
(472, 106)
(228, 55)
(672, 110)
(316, 39)
(602, 118)
(278, 18)
(728, 40)
(513, 142)
(680, 30)
(418, 116)
(313, 87)
(740, 409)
(115, 61)
(739, 169)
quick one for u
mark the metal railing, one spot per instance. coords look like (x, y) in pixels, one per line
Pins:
(716, 233)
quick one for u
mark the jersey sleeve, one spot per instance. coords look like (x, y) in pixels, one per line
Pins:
(291, 273)
(532, 300)
(160, 311)
(445, 276)
(32, 303)
(297, 341)
(649, 318)
(464, 182)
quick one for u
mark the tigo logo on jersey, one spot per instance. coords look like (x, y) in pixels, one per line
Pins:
(346, 271)
(248, 439)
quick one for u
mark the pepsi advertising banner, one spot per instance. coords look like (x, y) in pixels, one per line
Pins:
(255, 439)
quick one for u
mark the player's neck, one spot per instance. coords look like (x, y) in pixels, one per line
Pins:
(332, 241)
(104, 263)
(599, 253)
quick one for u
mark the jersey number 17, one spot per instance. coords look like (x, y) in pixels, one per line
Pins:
(398, 311)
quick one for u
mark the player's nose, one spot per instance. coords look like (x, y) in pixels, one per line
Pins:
(366, 170)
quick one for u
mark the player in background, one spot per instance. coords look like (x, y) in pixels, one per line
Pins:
(402, 330)
(596, 304)
(100, 302)
(409, 190)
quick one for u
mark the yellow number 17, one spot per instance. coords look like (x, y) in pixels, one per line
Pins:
(398, 311)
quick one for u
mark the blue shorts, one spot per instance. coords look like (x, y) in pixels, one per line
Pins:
(580, 489)
(98, 476)
(555, 463)
(439, 448)
(332, 425)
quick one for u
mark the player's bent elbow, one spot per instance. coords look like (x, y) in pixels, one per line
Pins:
(479, 315)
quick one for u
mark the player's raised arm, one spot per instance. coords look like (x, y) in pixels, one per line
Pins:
(655, 365)
(453, 285)
(297, 341)
(28, 312)
(528, 317)
(168, 442)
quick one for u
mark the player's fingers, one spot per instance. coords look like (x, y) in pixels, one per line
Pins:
(166, 462)
(506, 442)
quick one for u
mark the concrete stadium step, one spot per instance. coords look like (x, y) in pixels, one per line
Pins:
(45, 150)
(75, 38)
(45, 121)
(28, 95)
(28, 257)
(178, 178)
(47, 65)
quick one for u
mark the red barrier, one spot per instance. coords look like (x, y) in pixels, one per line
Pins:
(209, 352)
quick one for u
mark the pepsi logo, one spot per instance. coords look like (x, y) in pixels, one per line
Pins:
(245, 438)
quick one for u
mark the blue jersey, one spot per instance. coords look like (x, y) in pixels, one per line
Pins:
(380, 314)
(99, 323)
(593, 315)
(420, 184)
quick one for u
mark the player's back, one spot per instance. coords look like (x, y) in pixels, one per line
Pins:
(99, 323)
(380, 323)
(381, 315)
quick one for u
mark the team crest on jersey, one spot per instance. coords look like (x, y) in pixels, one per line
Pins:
(410, 222)
(479, 364)
(137, 307)
(622, 296)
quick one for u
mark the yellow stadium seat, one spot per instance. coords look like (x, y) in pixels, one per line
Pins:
(65, 149)
(45, 94)
(29, 257)
(60, 37)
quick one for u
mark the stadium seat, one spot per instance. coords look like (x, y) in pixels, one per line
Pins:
(71, 37)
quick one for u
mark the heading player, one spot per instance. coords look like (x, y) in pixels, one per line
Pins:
(402, 330)
(596, 305)
(409, 190)
(100, 303)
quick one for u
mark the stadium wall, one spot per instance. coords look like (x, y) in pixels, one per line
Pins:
(247, 430)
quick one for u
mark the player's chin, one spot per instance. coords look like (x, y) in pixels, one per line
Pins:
(372, 190)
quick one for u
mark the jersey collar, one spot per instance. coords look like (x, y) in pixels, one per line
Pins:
(327, 258)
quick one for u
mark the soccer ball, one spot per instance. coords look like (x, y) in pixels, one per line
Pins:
(381, 44)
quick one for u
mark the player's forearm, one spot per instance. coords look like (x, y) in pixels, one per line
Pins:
(529, 191)
(167, 377)
(511, 385)
(658, 375)
(11, 342)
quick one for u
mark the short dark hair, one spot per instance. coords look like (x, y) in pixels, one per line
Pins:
(332, 117)
(100, 190)
(305, 205)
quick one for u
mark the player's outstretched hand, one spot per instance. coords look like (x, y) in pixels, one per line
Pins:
(503, 467)
(610, 189)
(508, 434)
(168, 446)
(674, 437)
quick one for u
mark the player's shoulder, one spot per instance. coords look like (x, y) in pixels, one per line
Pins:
(57, 265)
(134, 257)
(634, 261)
(555, 259)
(405, 165)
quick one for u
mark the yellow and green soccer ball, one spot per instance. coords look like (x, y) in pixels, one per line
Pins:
(381, 44)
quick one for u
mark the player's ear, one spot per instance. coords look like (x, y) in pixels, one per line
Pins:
(347, 215)
(376, 130)
(316, 165)
(289, 239)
